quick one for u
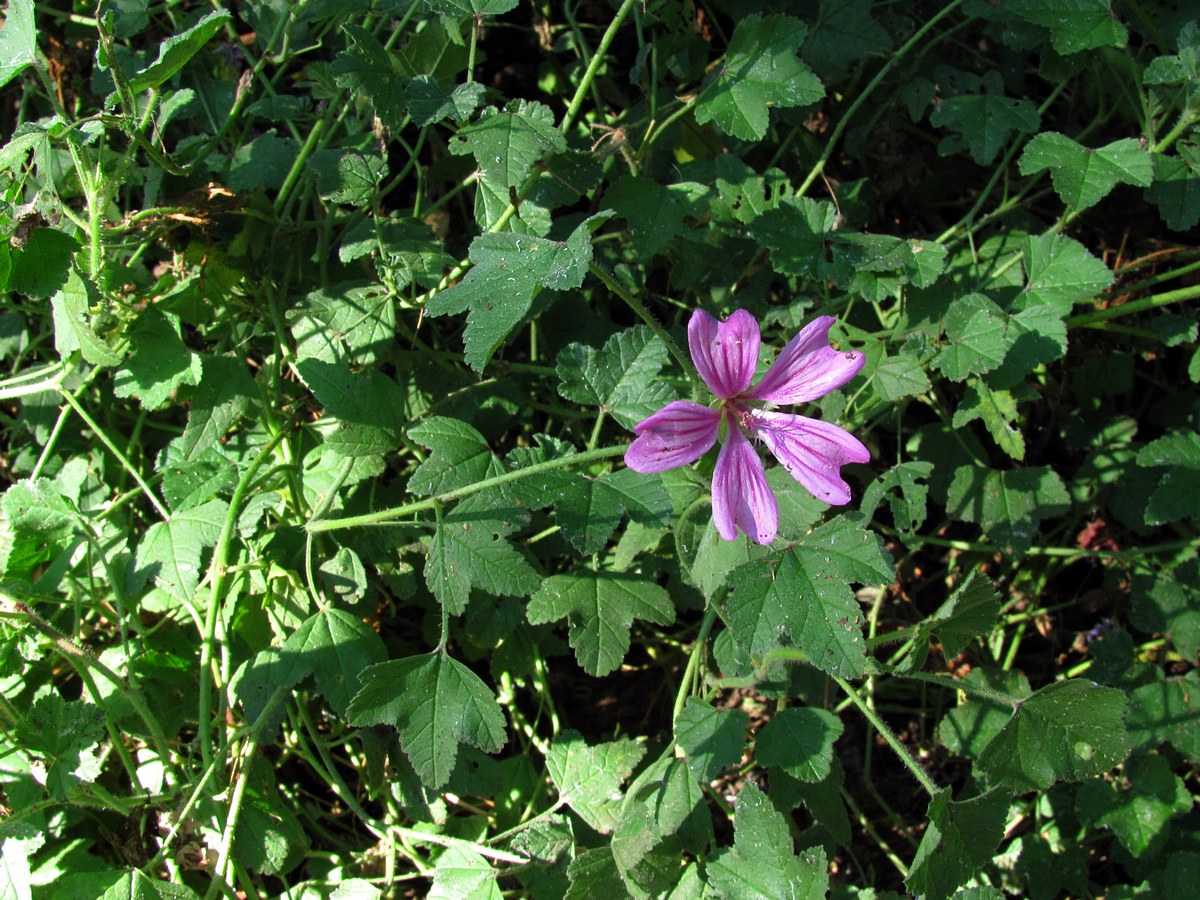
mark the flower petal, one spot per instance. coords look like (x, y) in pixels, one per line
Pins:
(808, 368)
(679, 433)
(740, 495)
(812, 451)
(725, 353)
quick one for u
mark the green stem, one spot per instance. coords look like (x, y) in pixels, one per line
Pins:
(115, 451)
(831, 144)
(643, 313)
(594, 67)
(699, 648)
(889, 736)
(407, 509)
(1135, 306)
(955, 684)
(219, 570)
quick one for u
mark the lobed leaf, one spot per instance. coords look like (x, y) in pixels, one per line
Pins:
(600, 608)
(436, 703)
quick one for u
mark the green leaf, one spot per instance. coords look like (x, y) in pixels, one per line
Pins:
(436, 703)
(970, 611)
(593, 873)
(41, 522)
(226, 393)
(1167, 711)
(999, 412)
(65, 733)
(43, 266)
(762, 862)
(347, 176)
(357, 321)
(760, 70)
(1084, 177)
(1176, 189)
(160, 361)
(844, 33)
(170, 551)
(621, 379)
(976, 341)
(468, 550)
(1067, 731)
(900, 376)
(589, 779)
(971, 726)
(1060, 272)
(1074, 25)
(600, 608)
(174, 52)
(366, 69)
(960, 839)
(336, 647)
(463, 874)
(18, 40)
(459, 456)
(800, 741)
(985, 121)
(1168, 602)
(367, 406)
(711, 739)
(802, 593)
(508, 272)
(507, 145)
(1179, 485)
(797, 233)
(73, 323)
(1139, 811)
(910, 502)
(431, 102)
(655, 212)
(466, 9)
(263, 163)
(1009, 505)
(273, 839)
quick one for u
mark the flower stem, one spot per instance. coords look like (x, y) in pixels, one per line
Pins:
(407, 509)
(644, 314)
(888, 735)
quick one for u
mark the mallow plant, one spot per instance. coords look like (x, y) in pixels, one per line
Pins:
(361, 529)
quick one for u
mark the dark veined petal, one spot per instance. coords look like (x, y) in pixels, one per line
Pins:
(808, 368)
(740, 495)
(679, 433)
(725, 353)
(811, 450)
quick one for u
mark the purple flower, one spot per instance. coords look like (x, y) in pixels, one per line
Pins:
(726, 355)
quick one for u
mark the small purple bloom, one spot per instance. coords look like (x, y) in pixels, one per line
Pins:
(813, 451)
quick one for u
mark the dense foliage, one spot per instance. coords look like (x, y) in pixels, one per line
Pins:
(325, 328)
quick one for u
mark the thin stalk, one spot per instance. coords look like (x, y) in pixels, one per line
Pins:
(115, 451)
(643, 313)
(597, 60)
(1142, 304)
(888, 735)
(831, 144)
(698, 649)
(219, 571)
(407, 509)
